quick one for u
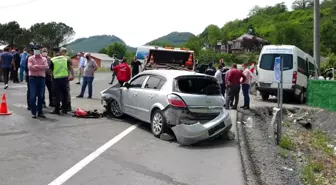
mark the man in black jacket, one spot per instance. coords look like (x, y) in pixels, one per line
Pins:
(30, 53)
(17, 60)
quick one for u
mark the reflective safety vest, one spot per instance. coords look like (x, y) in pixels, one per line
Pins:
(60, 67)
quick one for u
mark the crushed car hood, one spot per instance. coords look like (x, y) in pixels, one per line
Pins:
(111, 92)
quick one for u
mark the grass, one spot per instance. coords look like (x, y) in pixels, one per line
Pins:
(320, 142)
(283, 153)
(286, 142)
(311, 173)
(287, 123)
(320, 167)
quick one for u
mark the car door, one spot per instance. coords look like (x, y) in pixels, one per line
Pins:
(129, 95)
(149, 96)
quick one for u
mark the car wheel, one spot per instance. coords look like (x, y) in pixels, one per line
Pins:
(114, 109)
(264, 96)
(158, 123)
(302, 97)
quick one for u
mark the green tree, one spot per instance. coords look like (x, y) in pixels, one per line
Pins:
(214, 34)
(51, 34)
(195, 44)
(103, 51)
(302, 4)
(161, 44)
(288, 34)
(10, 32)
(116, 49)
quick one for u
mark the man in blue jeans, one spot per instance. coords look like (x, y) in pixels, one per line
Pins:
(37, 65)
(7, 63)
(246, 87)
(88, 75)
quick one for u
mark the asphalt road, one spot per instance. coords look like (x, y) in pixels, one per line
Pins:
(71, 151)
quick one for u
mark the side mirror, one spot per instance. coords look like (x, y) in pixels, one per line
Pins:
(126, 84)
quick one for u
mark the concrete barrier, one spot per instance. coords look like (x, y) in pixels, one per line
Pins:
(322, 94)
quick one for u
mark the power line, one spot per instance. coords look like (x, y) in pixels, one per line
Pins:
(16, 5)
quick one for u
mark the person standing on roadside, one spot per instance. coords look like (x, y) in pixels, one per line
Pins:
(233, 86)
(31, 53)
(123, 71)
(219, 77)
(81, 65)
(136, 64)
(17, 60)
(37, 65)
(88, 75)
(7, 63)
(115, 63)
(48, 79)
(23, 59)
(1, 73)
(60, 66)
(211, 70)
(246, 87)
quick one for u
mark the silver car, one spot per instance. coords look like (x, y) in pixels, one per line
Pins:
(188, 103)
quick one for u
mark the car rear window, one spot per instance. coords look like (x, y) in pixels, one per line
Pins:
(203, 85)
(267, 61)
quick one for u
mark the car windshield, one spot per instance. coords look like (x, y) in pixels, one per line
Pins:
(202, 85)
(267, 61)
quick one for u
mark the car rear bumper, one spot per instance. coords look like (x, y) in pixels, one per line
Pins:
(187, 134)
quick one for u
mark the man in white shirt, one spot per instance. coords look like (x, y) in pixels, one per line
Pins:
(246, 87)
(219, 77)
(80, 66)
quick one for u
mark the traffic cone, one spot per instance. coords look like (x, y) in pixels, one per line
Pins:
(189, 63)
(3, 106)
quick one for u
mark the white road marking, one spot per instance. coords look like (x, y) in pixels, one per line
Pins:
(81, 164)
(20, 105)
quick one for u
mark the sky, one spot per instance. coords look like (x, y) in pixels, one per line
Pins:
(134, 21)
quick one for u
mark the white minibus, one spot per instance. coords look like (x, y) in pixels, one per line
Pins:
(298, 66)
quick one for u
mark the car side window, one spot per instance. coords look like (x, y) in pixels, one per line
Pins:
(137, 83)
(154, 83)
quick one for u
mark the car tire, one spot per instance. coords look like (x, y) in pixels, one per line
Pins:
(301, 98)
(265, 96)
(158, 123)
(113, 109)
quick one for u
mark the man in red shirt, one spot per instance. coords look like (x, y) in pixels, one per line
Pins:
(123, 71)
(234, 79)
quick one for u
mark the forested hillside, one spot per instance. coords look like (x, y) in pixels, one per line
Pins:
(95, 43)
(173, 38)
(279, 26)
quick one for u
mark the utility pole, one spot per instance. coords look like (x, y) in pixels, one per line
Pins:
(317, 46)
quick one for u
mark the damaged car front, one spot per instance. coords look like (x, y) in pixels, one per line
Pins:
(110, 99)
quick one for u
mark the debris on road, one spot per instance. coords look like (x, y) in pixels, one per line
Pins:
(80, 113)
(167, 137)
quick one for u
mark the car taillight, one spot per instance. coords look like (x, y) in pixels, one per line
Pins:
(175, 101)
(294, 77)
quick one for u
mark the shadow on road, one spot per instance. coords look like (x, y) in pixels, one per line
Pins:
(208, 144)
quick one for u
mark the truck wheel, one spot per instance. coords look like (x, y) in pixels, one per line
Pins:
(265, 96)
